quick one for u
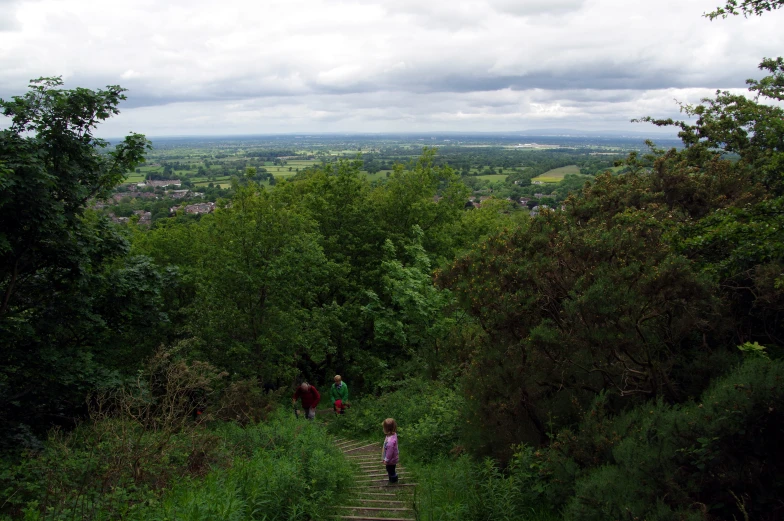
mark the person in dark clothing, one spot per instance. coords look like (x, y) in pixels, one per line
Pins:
(310, 399)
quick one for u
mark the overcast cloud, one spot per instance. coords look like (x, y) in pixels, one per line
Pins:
(241, 67)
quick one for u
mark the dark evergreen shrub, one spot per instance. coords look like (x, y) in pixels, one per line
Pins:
(719, 458)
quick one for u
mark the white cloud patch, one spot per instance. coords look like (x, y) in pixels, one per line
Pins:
(194, 66)
(8, 19)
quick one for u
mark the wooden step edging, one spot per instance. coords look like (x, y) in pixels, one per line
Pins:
(364, 518)
(363, 447)
(388, 486)
(378, 509)
(384, 500)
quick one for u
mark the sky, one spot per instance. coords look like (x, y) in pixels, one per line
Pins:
(197, 67)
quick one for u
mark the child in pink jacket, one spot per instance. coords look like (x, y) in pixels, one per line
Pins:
(390, 452)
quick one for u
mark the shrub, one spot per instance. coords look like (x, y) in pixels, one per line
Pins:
(720, 458)
(427, 415)
(243, 401)
(139, 438)
(278, 470)
(461, 489)
(283, 470)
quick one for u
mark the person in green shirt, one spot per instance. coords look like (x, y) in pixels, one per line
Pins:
(338, 393)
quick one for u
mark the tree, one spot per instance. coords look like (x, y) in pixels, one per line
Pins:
(410, 316)
(407, 199)
(746, 8)
(52, 253)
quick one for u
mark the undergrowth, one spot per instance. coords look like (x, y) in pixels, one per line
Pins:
(282, 469)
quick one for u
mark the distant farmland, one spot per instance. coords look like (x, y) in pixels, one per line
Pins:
(556, 175)
(492, 177)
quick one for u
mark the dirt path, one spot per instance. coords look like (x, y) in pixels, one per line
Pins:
(374, 498)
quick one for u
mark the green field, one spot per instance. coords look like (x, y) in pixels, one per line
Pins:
(492, 177)
(556, 175)
(381, 174)
(135, 178)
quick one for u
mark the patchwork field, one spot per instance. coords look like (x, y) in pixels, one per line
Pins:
(492, 177)
(135, 178)
(556, 175)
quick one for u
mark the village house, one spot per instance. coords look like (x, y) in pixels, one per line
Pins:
(119, 220)
(145, 218)
(178, 194)
(162, 183)
(133, 195)
(200, 208)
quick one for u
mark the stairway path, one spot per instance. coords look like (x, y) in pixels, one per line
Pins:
(374, 498)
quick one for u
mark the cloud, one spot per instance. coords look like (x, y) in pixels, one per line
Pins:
(8, 19)
(377, 63)
(536, 7)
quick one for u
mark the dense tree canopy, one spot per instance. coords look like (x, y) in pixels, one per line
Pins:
(60, 266)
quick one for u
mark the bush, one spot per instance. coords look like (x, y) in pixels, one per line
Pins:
(243, 401)
(720, 458)
(461, 489)
(284, 470)
(427, 415)
(279, 470)
(139, 438)
(152, 449)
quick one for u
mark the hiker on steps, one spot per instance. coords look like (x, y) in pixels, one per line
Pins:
(338, 393)
(310, 399)
(390, 453)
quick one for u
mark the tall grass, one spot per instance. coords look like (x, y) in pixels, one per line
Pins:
(462, 489)
(282, 469)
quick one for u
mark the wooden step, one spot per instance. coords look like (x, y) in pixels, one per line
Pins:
(373, 480)
(378, 509)
(385, 501)
(343, 446)
(358, 448)
(388, 486)
(365, 518)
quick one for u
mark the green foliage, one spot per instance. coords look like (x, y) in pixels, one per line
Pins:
(427, 414)
(284, 470)
(719, 455)
(254, 272)
(117, 468)
(140, 437)
(463, 489)
(406, 200)
(56, 260)
(745, 7)
(411, 315)
(753, 350)
(568, 310)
